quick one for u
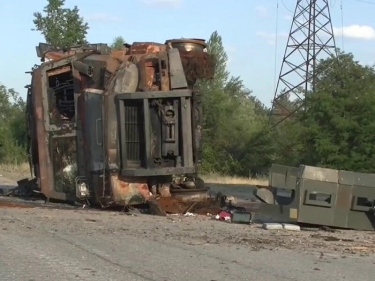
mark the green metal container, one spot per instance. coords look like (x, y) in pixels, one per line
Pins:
(241, 217)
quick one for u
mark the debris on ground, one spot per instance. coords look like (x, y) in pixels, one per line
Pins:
(217, 206)
(241, 217)
(23, 188)
(188, 214)
(13, 205)
(272, 226)
(220, 207)
(223, 216)
(293, 227)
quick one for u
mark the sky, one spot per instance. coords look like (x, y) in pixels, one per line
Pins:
(254, 43)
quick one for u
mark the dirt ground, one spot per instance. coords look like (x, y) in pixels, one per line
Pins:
(201, 230)
(70, 243)
(198, 230)
(76, 244)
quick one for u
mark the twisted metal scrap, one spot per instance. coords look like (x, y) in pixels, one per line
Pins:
(197, 65)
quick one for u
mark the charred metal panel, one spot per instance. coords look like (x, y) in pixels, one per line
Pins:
(58, 95)
(197, 124)
(163, 73)
(146, 48)
(93, 129)
(83, 68)
(134, 140)
(32, 145)
(125, 80)
(127, 192)
(95, 65)
(178, 79)
(127, 123)
(153, 95)
(186, 128)
(170, 128)
(45, 171)
(151, 142)
(78, 81)
(63, 151)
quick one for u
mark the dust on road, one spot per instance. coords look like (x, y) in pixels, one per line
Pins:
(74, 244)
(41, 244)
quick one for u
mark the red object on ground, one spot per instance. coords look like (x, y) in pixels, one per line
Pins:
(224, 216)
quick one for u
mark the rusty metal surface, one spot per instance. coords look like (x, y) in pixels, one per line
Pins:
(173, 205)
(197, 65)
(170, 205)
(118, 54)
(164, 190)
(155, 208)
(129, 193)
(190, 194)
(141, 48)
(206, 207)
(46, 181)
(59, 113)
(56, 56)
(187, 44)
(59, 70)
(4, 204)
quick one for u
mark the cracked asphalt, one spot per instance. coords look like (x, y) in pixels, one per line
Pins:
(73, 244)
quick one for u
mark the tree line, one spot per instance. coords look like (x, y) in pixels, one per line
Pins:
(335, 129)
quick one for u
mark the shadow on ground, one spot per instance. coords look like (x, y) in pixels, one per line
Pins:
(243, 192)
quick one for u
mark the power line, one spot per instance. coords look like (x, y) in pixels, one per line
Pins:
(342, 27)
(310, 38)
(334, 3)
(289, 10)
(276, 41)
(365, 1)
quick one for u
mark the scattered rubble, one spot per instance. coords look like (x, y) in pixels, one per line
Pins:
(272, 226)
(223, 216)
(294, 227)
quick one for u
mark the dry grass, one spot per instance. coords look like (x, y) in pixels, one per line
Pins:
(218, 179)
(15, 172)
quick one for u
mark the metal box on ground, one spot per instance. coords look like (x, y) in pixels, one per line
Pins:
(241, 217)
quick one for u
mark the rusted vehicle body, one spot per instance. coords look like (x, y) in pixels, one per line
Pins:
(117, 127)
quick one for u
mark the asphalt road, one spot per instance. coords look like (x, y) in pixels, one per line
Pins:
(47, 244)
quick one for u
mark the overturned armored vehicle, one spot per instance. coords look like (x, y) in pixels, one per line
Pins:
(117, 127)
(319, 196)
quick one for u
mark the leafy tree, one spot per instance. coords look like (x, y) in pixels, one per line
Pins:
(214, 108)
(230, 116)
(118, 43)
(12, 126)
(337, 128)
(61, 27)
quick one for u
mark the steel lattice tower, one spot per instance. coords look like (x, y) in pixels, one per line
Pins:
(310, 39)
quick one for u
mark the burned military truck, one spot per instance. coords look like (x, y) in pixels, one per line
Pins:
(117, 127)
